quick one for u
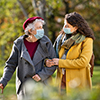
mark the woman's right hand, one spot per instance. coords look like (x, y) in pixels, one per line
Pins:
(49, 63)
(1, 87)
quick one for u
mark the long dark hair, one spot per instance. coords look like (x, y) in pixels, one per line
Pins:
(76, 20)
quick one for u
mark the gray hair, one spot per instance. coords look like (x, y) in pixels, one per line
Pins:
(31, 25)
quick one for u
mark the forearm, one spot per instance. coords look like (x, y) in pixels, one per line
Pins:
(10, 66)
(82, 60)
(46, 72)
(8, 72)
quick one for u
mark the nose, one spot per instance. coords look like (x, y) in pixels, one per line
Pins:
(41, 27)
(66, 26)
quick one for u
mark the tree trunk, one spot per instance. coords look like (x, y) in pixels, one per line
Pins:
(22, 8)
(66, 6)
(39, 8)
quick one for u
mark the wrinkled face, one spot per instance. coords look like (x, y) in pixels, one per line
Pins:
(37, 25)
(67, 25)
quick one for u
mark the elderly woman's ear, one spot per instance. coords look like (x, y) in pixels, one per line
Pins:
(30, 31)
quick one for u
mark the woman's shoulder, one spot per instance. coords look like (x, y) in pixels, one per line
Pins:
(59, 37)
(45, 40)
(88, 39)
(19, 39)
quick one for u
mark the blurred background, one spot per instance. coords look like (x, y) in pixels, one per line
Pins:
(13, 13)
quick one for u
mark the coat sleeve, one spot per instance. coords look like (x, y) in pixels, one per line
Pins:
(84, 58)
(48, 71)
(10, 66)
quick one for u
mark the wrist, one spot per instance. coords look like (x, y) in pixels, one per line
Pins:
(45, 62)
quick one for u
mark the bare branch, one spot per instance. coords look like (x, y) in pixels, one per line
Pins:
(34, 3)
(22, 8)
(83, 2)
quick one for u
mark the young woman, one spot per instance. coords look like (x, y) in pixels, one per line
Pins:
(74, 48)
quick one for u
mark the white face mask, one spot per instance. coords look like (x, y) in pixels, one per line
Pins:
(67, 30)
(39, 33)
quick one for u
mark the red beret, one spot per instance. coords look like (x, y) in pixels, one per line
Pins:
(30, 20)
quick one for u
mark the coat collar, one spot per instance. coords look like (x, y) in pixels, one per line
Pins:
(25, 55)
(40, 53)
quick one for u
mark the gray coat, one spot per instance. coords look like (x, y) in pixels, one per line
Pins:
(26, 68)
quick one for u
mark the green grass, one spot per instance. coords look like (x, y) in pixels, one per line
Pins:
(96, 77)
(10, 91)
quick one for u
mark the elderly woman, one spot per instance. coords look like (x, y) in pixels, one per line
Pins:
(28, 55)
(74, 48)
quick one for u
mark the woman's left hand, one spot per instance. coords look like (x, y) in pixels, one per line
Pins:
(36, 77)
(56, 61)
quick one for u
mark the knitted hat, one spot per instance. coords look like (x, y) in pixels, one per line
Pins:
(30, 20)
